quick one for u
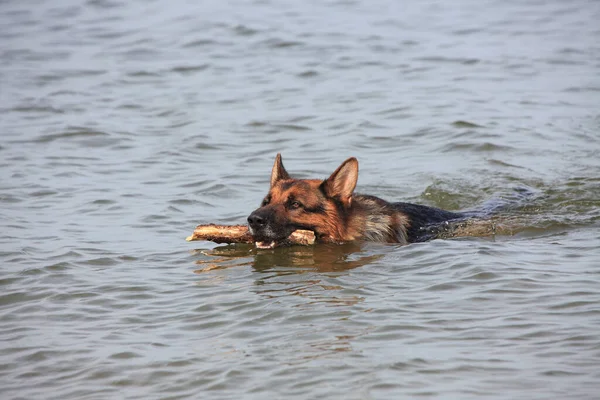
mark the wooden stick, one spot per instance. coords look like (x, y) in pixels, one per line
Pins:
(240, 234)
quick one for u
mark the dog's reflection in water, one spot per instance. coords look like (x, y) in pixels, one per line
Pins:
(313, 273)
(299, 259)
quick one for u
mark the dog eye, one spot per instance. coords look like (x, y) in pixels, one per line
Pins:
(295, 205)
(266, 201)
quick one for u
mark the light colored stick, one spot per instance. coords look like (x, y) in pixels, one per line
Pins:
(240, 234)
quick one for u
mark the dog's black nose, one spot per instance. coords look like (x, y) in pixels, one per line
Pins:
(256, 220)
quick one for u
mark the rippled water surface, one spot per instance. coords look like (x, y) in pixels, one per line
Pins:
(125, 124)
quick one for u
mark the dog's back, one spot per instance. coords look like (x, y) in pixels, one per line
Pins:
(424, 220)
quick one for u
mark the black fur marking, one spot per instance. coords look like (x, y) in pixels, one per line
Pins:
(286, 185)
(318, 209)
(266, 201)
(423, 218)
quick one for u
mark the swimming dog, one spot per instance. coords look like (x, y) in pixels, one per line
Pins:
(336, 214)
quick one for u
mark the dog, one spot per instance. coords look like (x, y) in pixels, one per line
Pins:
(336, 214)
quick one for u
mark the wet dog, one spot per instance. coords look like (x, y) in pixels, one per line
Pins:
(332, 210)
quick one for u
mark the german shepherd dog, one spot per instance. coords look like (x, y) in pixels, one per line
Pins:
(336, 214)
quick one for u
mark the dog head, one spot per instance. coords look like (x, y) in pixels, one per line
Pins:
(317, 205)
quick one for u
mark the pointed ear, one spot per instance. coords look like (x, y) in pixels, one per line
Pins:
(278, 173)
(342, 182)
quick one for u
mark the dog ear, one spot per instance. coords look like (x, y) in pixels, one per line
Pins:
(278, 173)
(342, 182)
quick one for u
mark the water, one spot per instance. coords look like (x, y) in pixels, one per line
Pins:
(125, 124)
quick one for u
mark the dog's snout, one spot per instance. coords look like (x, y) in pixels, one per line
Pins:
(256, 220)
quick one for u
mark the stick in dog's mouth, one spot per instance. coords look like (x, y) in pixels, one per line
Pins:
(240, 234)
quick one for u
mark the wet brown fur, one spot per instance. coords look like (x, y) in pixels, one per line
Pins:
(334, 212)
